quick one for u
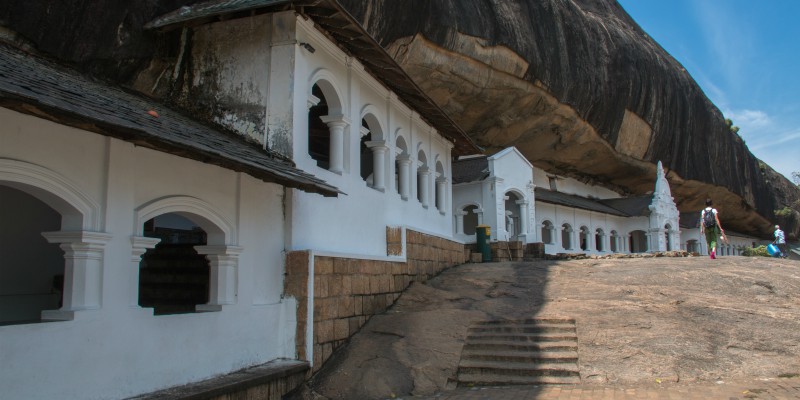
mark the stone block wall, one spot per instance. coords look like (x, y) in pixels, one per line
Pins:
(348, 291)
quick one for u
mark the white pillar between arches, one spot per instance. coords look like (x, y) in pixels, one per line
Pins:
(379, 149)
(223, 261)
(460, 221)
(441, 186)
(423, 174)
(524, 215)
(403, 175)
(336, 124)
(83, 271)
(140, 245)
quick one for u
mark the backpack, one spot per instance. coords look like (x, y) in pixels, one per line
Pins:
(708, 218)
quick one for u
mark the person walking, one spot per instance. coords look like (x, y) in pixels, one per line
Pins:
(780, 241)
(710, 226)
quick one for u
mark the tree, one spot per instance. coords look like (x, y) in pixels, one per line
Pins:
(796, 178)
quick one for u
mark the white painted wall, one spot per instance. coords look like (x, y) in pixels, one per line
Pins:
(119, 349)
(736, 242)
(509, 171)
(356, 222)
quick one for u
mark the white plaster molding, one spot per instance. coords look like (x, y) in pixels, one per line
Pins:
(191, 205)
(83, 271)
(78, 210)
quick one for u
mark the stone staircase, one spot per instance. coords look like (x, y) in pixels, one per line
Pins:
(524, 352)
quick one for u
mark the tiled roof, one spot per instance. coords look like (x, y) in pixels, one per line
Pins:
(470, 170)
(689, 220)
(38, 87)
(636, 206)
(332, 18)
(575, 201)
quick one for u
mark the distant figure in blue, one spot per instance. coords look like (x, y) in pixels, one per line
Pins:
(710, 226)
(780, 241)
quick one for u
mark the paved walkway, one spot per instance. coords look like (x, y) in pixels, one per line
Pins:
(778, 388)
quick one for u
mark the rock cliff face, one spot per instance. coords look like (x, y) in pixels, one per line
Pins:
(575, 85)
(581, 90)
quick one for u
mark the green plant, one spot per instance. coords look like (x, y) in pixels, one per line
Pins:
(784, 212)
(760, 251)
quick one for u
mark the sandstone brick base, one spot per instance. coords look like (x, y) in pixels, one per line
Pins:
(348, 291)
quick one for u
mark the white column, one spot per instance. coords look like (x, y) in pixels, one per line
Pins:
(460, 221)
(223, 261)
(441, 187)
(140, 245)
(336, 124)
(83, 271)
(403, 175)
(423, 174)
(524, 215)
(379, 149)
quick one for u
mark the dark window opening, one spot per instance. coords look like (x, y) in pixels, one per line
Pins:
(173, 278)
(365, 156)
(319, 142)
(31, 269)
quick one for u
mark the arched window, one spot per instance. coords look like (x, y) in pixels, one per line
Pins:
(441, 187)
(319, 137)
(402, 168)
(667, 229)
(513, 220)
(566, 236)
(41, 200)
(584, 238)
(31, 270)
(638, 242)
(614, 241)
(599, 237)
(326, 126)
(470, 219)
(365, 154)
(547, 232)
(423, 174)
(692, 246)
(173, 277)
(185, 239)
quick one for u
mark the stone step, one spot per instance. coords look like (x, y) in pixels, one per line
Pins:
(517, 369)
(513, 345)
(553, 357)
(541, 320)
(502, 380)
(524, 328)
(522, 337)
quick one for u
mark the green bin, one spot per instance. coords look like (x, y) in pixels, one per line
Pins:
(484, 233)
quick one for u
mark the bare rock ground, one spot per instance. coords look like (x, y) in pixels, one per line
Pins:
(639, 321)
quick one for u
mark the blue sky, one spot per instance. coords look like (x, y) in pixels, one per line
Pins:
(745, 55)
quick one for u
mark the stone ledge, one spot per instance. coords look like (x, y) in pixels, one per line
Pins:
(236, 382)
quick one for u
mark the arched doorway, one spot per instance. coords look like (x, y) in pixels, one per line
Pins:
(566, 236)
(548, 232)
(668, 237)
(470, 219)
(513, 216)
(638, 242)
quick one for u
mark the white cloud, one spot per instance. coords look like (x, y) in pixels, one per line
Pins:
(751, 122)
